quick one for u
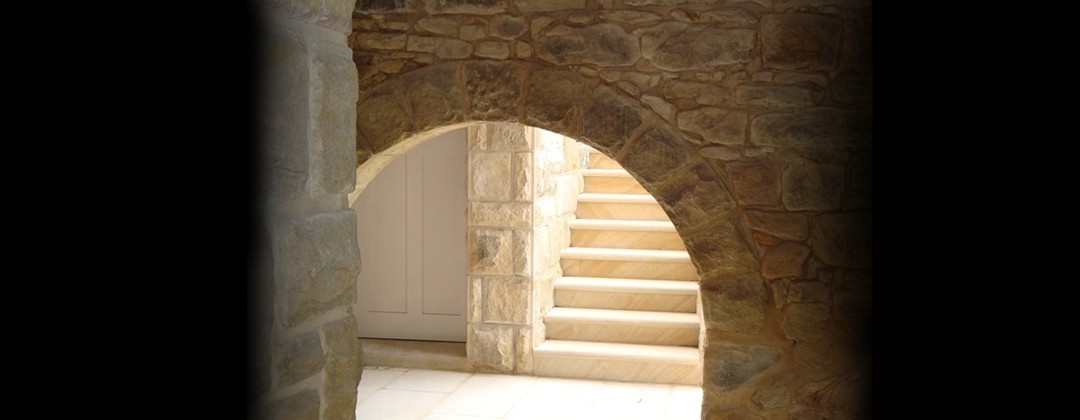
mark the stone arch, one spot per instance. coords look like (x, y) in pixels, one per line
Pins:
(695, 194)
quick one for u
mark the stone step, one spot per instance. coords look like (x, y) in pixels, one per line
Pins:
(619, 207)
(623, 326)
(637, 234)
(611, 181)
(630, 294)
(627, 263)
(617, 362)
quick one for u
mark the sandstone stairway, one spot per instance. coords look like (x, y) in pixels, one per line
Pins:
(626, 308)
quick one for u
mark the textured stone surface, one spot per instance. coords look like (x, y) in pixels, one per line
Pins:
(658, 152)
(722, 247)
(304, 405)
(843, 396)
(811, 127)
(476, 7)
(384, 5)
(452, 49)
(610, 118)
(808, 291)
(843, 239)
(506, 300)
(602, 44)
(509, 137)
(660, 106)
(697, 195)
(554, 99)
(715, 125)
(774, 96)
(728, 365)
(492, 49)
(772, 395)
(800, 41)
(382, 118)
(631, 16)
(677, 46)
(507, 26)
(343, 368)
(805, 321)
(494, 89)
(335, 15)
(784, 259)
(522, 180)
(734, 305)
(523, 361)
(491, 251)
(299, 358)
(490, 176)
(813, 186)
(438, 25)
(491, 348)
(333, 96)
(472, 32)
(702, 93)
(523, 253)
(755, 181)
(318, 260)
(285, 118)
(784, 225)
(382, 40)
(436, 96)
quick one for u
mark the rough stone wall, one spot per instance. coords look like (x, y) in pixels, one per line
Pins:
(748, 120)
(306, 362)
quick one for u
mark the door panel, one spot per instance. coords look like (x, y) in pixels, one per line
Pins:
(411, 223)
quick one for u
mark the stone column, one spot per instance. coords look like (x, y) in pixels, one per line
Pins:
(307, 359)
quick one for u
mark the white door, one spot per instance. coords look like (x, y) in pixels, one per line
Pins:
(411, 226)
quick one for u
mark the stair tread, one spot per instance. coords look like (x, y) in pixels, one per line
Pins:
(619, 224)
(616, 198)
(626, 285)
(625, 254)
(622, 316)
(628, 352)
(606, 173)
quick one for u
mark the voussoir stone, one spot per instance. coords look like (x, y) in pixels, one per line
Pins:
(697, 195)
(436, 95)
(723, 247)
(734, 305)
(604, 44)
(494, 89)
(382, 117)
(784, 225)
(756, 181)
(609, 119)
(656, 153)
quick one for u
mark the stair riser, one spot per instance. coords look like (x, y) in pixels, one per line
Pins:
(614, 333)
(631, 301)
(626, 239)
(601, 161)
(615, 370)
(603, 184)
(629, 269)
(620, 211)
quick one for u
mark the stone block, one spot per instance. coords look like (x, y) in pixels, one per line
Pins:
(722, 247)
(383, 117)
(493, 49)
(729, 366)
(507, 26)
(809, 291)
(317, 260)
(784, 225)
(772, 96)
(633, 17)
(420, 43)
(785, 259)
(452, 49)
(563, 45)
(553, 99)
(725, 153)
(384, 5)
(812, 186)
(494, 89)
(702, 93)
(438, 25)
(522, 181)
(491, 347)
(467, 7)
(677, 46)
(490, 251)
(834, 127)
(506, 300)
(490, 176)
(436, 96)
(510, 137)
(343, 368)
(333, 97)
(656, 154)
(527, 6)
(734, 305)
(476, 300)
(715, 125)
(508, 215)
(298, 359)
(284, 123)
(473, 33)
(610, 118)
(843, 239)
(523, 361)
(698, 195)
(772, 395)
(382, 40)
(523, 253)
(756, 181)
(805, 321)
(800, 41)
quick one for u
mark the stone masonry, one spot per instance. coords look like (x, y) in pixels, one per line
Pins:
(749, 121)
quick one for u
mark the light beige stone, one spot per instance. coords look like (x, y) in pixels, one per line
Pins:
(506, 300)
(523, 253)
(523, 175)
(491, 347)
(491, 251)
(491, 214)
(490, 176)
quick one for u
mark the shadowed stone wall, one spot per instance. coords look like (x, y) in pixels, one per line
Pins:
(749, 121)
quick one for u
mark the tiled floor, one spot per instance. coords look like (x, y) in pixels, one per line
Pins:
(408, 394)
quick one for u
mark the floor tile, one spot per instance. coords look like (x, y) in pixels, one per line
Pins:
(486, 395)
(428, 380)
(374, 379)
(394, 404)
